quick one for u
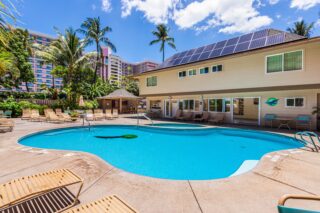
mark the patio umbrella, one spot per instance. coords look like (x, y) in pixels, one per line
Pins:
(81, 102)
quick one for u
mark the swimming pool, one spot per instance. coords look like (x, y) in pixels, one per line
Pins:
(198, 154)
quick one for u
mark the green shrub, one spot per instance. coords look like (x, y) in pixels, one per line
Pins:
(91, 104)
(16, 107)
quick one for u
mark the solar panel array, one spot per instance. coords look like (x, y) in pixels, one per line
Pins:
(250, 41)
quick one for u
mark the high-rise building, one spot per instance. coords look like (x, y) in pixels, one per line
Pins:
(114, 67)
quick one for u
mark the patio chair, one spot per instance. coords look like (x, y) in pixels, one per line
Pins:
(1, 114)
(188, 116)
(269, 118)
(217, 118)
(107, 204)
(89, 115)
(178, 115)
(26, 114)
(284, 209)
(35, 116)
(108, 114)
(303, 121)
(52, 117)
(204, 117)
(115, 113)
(7, 114)
(98, 114)
(17, 192)
(6, 125)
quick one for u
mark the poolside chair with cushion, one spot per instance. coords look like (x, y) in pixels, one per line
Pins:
(179, 115)
(35, 116)
(115, 113)
(204, 117)
(16, 193)
(107, 204)
(108, 114)
(98, 114)
(89, 115)
(269, 118)
(303, 121)
(26, 114)
(217, 118)
(6, 125)
(58, 111)
(7, 114)
(52, 117)
(285, 209)
(188, 116)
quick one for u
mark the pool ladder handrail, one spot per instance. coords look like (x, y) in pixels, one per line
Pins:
(310, 135)
(145, 116)
(85, 119)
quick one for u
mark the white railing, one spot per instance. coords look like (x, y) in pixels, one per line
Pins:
(145, 116)
(308, 138)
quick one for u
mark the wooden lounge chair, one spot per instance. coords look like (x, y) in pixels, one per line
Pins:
(303, 121)
(89, 115)
(52, 117)
(26, 114)
(217, 118)
(64, 116)
(20, 190)
(98, 114)
(35, 116)
(58, 111)
(284, 209)
(115, 113)
(6, 125)
(110, 204)
(108, 114)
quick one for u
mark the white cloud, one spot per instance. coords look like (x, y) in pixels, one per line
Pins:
(106, 5)
(154, 10)
(304, 4)
(93, 7)
(230, 15)
(317, 24)
(274, 1)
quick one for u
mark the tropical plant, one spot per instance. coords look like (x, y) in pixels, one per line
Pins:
(130, 85)
(67, 54)
(95, 33)
(162, 36)
(302, 28)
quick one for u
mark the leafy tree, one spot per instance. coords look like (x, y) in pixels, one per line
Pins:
(130, 85)
(20, 46)
(302, 28)
(162, 36)
(96, 33)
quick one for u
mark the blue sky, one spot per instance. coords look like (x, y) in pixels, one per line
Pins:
(192, 23)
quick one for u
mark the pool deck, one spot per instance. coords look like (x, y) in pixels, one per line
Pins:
(291, 171)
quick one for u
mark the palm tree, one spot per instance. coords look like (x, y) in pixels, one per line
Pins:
(302, 28)
(95, 33)
(162, 36)
(66, 53)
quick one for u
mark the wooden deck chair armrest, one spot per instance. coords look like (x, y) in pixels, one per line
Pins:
(284, 198)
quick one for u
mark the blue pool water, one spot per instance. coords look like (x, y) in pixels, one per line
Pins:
(198, 154)
(177, 125)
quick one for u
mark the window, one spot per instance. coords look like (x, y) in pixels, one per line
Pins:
(205, 105)
(204, 70)
(294, 102)
(182, 74)
(289, 61)
(217, 68)
(187, 104)
(219, 105)
(152, 81)
(192, 72)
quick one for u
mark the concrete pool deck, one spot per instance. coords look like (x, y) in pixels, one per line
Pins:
(278, 173)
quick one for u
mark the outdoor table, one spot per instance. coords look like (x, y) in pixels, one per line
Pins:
(284, 122)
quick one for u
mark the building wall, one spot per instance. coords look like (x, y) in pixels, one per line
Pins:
(239, 72)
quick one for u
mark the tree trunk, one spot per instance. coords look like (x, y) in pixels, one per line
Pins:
(53, 85)
(163, 52)
(97, 62)
(27, 86)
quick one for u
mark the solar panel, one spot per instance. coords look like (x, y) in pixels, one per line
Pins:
(215, 53)
(190, 52)
(183, 54)
(199, 50)
(175, 56)
(258, 43)
(205, 55)
(242, 47)
(177, 61)
(275, 39)
(260, 34)
(245, 38)
(194, 57)
(185, 60)
(209, 47)
(232, 41)
(228, 50)
(220, 44)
